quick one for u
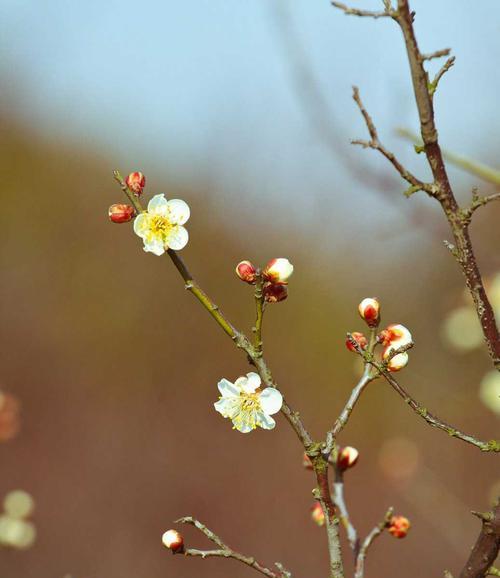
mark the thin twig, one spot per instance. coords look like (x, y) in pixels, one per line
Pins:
(225, 551)
(431, 419)
(368, 541)
(374, 143)
(338, 500)
(436, 54)
(363, 13)
(241, 340)
(446, 66)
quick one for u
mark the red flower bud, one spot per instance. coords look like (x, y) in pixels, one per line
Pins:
(399, 526)
(360, 340)
(246, 272)
(136, 183)
(306, 462)
(317, 514)
(121, 213)
(369, 309)
(9, 416)
(173, 539)
(274, 292)
(347, 458)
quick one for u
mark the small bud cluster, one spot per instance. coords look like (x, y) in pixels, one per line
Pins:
(399, 526)
(392, 338)
(173, 540)
(275, 277)
(120, 212)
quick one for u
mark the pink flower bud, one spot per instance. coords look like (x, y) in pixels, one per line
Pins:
(306, 462)
(359, 338)
(399, 526)
(347, 458)
(246, 272)
(173, 540)
(275, 292)
(121, 213)
(317, 514)
(369, 309)
(278, 270)
(136, 183)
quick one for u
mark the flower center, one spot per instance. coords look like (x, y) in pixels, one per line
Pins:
(249, 407)
(159, 225)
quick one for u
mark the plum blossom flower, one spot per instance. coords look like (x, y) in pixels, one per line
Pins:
(161, 226)
(246, 405)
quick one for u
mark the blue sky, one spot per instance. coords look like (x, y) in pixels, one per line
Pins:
(205, 87)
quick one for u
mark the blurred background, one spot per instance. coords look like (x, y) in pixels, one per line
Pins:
(109, 369)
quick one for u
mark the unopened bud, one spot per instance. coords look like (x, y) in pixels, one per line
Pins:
(347, 458)
(396, 335)
(274, 293)
(369, 309)
(136, 183)
(173, 540)
(306, 462)
(399, 526)
(121, 213)
(246, 272)
(396, 362)
(278, 270)
(317, 514)
(359, 338)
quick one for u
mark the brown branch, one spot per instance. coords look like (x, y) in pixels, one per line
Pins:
(375, 144)
(444, 193)
(364, 13)
(368, 541)
(225, 551)
(478, 201)
(322, 494)
(446, 66)
(338, 500)
(431, 419)
(436, 54)
(485, 550)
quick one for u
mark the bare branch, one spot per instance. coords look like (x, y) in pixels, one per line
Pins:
(364, 13)
(338, 499)
(434, 421)
(446, 66)
(436, 54)
(478, 201)
(368, 541)
(225, 552)
(374, 143)
(485, 550)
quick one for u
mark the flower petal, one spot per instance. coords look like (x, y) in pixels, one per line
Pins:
(248, 383)
(271, 400)
(178, 211)
(158, 205)
(154, 245)
(227, 389)
(243, 427)
(141, 224)
(227, 407)
(266, 421)
(177, 238)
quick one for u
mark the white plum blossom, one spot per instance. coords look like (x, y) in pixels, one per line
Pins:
(161, 226)
(246, 405)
